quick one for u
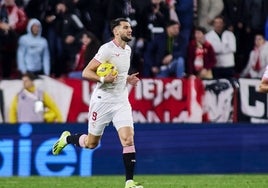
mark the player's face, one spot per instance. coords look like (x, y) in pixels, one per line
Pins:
(125, 31)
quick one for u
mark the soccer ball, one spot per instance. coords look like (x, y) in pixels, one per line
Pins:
(106, 68)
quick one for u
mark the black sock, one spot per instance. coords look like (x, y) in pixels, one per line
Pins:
(129, 162)
(73, 139)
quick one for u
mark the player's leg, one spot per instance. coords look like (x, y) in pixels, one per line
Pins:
(177, 66)
(90, 140)
(123, 122)
(126, 136)
(84, 141)
(60, 143)
(96, 124)
(81, 140)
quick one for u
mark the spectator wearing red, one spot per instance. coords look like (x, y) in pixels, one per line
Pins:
(13, 22)
(201, 56)
(89, 47)
(258, 59)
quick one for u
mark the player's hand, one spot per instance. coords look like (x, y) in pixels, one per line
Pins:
(133, 79)
(110, 78)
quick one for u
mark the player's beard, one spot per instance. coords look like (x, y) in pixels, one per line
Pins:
(126, 39)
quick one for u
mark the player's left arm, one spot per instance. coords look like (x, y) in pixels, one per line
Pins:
(133, 79)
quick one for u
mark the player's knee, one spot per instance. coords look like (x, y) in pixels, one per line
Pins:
(128, 141)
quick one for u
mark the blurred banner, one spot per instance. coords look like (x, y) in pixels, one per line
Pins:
(253, 106)
(158, 100)
(25, 150)
(218, 101)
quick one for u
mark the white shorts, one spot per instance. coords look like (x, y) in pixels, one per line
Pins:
(101, 114)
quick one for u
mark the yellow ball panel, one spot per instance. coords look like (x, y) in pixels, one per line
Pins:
(106, 68)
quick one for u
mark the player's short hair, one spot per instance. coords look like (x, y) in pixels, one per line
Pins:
(116, 22)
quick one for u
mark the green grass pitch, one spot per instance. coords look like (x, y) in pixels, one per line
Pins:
(149, 181)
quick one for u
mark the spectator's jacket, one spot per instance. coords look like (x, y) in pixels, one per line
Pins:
(157, 49)
(255, 14)
(209, 57)
(152, 23)
(224, 47)
(68, 24)
(17, 18)
(33, 52)
(207, 10)
(250, 70)
(25, 107)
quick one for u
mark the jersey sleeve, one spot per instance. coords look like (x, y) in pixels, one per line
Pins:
(103, 54)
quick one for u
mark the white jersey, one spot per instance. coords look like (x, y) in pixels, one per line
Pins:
(117, 91)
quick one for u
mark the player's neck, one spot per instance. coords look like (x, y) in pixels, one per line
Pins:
(120, 43)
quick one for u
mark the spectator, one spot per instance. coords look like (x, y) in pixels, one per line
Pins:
(154, 17)
(201, 56)
(89, 47)
(224, 44)
(13, 22)
(207, 10)
(258, 59)
(63, 27)
(92, 14)
(162, 56)
(33, 52)
(69, 25)
(53, 35)
(233, 13)
(37, 9)
(33, 105)
(255, 14)
(185, 10)
(172, 10)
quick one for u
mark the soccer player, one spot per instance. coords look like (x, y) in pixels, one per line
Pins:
(109, 101)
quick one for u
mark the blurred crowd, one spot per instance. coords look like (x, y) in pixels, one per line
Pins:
(171, 38)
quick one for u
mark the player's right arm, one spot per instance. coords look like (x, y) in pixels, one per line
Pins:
(89, 73)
